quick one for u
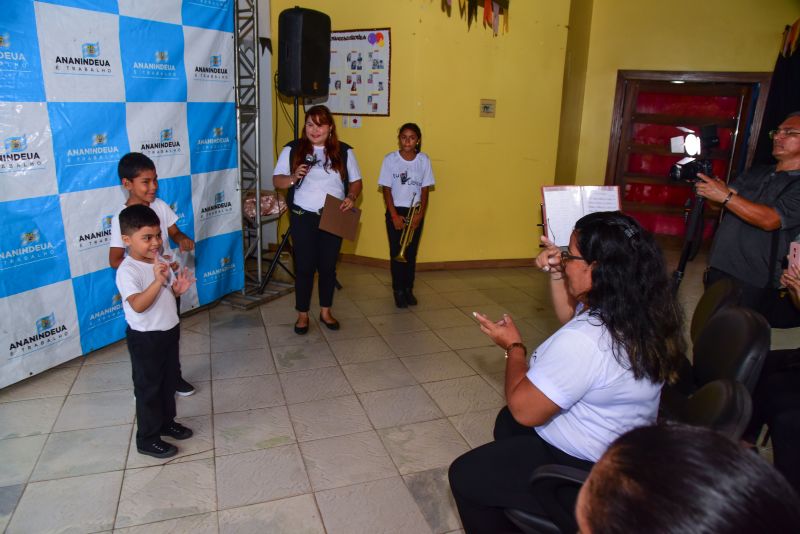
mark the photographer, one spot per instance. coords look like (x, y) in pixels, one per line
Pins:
(762, 217)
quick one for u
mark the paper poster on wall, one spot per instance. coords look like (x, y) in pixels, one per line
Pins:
(360, 73)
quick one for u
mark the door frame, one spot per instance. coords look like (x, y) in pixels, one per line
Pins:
(624, 77)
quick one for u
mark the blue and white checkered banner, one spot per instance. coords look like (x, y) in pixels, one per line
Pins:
(82, 82)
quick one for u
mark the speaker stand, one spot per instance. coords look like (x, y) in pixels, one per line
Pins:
(296, 118)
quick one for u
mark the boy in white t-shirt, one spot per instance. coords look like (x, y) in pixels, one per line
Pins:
(138, 175)
(153, 331)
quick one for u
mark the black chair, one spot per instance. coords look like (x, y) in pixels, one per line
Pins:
(732, 345)
(722, 405)
(557, 487)
(721, 294)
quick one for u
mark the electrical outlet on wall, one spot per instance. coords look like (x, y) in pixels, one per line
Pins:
(352, 121)
(488, 106)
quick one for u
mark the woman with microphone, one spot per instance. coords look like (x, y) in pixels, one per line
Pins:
(310, 168)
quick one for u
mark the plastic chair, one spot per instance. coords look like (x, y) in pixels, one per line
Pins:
(722, 405)
(557, 488)
(721, 294)
(733, 344)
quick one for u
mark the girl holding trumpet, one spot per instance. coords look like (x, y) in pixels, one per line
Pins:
(406, 177)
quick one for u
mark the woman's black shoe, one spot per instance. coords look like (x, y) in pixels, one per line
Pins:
(400, 299)
(410, 298)
(331, 326)
(300, 330)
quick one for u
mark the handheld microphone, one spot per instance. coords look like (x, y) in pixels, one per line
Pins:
(310, 160)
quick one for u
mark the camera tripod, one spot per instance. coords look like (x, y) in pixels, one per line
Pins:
(692, 240)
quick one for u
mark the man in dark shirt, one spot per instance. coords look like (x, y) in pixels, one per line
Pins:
(762, 217)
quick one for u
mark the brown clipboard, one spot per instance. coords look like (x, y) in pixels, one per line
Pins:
(338, 222)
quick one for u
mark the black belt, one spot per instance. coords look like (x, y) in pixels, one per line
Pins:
(301, 211)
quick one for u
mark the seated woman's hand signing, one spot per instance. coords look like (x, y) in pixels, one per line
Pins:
(549, 260)
(503, 332)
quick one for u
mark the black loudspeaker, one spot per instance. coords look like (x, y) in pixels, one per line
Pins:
(304, 52)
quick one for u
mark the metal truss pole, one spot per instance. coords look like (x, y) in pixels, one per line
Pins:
(246, 73)
(247, 107)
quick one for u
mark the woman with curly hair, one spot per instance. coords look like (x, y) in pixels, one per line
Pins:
(594, 379)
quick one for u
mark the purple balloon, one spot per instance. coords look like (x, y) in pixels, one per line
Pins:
(371, 38)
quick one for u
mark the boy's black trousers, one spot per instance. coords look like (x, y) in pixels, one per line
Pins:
(154, 362)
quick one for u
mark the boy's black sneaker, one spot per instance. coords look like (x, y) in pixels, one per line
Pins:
(177, 431)
(183, 388)
(158, 448)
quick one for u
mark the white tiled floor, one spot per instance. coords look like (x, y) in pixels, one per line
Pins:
(339, 432)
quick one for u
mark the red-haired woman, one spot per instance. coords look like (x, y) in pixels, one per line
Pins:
(310, 168)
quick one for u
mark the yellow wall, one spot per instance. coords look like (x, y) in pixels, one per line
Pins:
(714, 35)
(577, 58)
(488, 171)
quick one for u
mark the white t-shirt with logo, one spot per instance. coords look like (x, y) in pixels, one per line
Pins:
(406, 178)
(319, 182)
(165, 214)
(599, 398)
(134, 276)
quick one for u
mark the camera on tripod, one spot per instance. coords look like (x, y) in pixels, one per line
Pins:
(692, 145)
(687, 172)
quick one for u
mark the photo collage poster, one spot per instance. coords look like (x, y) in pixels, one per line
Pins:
(359, 73)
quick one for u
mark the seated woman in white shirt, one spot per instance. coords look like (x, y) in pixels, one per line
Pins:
(594, 379)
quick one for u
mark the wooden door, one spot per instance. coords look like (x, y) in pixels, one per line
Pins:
(652, 107)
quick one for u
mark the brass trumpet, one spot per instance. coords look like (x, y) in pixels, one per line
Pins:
(408, 232)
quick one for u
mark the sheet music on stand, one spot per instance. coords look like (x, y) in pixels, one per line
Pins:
(563, 205)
